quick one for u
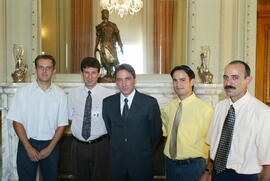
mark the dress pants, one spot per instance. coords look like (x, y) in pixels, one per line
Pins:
(133, 177)
(231, 175)
(90, 162)
(184, 170)
(27, 169)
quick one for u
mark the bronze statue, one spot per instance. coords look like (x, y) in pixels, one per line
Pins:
(203, 71)
(107, 34)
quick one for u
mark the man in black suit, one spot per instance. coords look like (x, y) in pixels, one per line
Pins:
(134, 125)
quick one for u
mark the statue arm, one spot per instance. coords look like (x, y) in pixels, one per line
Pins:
(96, 46)
(119, 41)
(118, 38)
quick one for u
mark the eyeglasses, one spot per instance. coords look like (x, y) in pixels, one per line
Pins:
(40, 67)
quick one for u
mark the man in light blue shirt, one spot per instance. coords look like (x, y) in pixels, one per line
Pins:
(90, 152)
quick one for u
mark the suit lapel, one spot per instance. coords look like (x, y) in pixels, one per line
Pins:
(117, 105)
(134, 105)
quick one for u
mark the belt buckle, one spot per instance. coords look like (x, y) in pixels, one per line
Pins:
(188, 161)
(184, 162)
(90, 141)
(96, 140)
(93, 141)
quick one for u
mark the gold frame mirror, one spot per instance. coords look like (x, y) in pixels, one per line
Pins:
(148, 59)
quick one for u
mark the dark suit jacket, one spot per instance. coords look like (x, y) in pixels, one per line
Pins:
(133, 140)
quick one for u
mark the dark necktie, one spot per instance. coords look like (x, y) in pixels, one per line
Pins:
(86, 128)
(125, 109)
(173, 139)
(225, 141)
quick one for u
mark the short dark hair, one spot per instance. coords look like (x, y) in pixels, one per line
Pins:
(45, 56)
(247, 68)
(90, 62)
(103, 10)
(126, 67)
(186, 69)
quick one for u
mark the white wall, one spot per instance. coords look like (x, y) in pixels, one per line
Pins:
(228, 27)
(18, 31)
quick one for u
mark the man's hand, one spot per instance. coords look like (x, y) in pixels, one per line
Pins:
(205, 177)
(33, 154)
(265, 175)
(96, 50)
(44, 153)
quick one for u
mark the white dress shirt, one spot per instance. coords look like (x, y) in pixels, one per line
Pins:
(39, 111)
(130, 99)
(76, 104)
(250, 147)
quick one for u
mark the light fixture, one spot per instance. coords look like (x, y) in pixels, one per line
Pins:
(122, 7)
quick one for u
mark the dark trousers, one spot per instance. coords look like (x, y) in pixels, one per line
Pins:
(132, 177)
(90, 162)
(184, 170)
(27, 169)
(231, 175)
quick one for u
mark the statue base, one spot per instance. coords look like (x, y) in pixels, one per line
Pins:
(19, 76)
(106, 79)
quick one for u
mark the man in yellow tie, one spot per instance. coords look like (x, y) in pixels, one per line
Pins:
(186, 120)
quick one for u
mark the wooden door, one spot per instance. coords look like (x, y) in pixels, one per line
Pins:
(263, 52)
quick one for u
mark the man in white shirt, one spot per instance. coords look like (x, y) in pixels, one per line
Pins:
(90, 145)
(39, 115)
(248, 125)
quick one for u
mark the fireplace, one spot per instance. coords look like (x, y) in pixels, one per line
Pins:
(158, 87)
(65, 174)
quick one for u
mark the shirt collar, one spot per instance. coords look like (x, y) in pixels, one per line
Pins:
(188, 99)
(36, 86)
(129, 97)
(242, 101)
(86, 89)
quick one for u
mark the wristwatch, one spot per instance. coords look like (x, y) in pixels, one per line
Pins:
(210, 172)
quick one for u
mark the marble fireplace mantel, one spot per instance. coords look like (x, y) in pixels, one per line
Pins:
(162, 90)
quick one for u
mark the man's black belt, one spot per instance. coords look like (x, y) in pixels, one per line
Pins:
(91, 141)
(187, 161)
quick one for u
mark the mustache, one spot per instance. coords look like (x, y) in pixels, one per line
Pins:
(229, 87)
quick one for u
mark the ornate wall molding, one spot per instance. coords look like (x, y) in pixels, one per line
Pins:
(191, 32)
(36, 34)
(236, 39)
(2, 41)
(245, 46)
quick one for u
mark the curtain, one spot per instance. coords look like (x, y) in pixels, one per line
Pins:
(179, 44)
(164, 18)
(82, 32)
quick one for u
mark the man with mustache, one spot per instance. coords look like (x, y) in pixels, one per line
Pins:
(239, 135)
